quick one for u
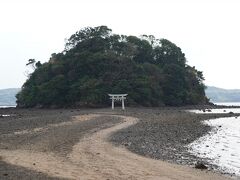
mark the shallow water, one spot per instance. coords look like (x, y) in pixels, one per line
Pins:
(12, 106)
(227, 103)
(218, 111)
(222, 145)
(5, 115)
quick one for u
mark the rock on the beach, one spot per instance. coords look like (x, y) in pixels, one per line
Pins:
(200, 165)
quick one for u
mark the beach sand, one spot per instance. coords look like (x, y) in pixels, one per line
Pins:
(87, 144)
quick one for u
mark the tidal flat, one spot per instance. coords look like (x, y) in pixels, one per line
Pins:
(159, 133)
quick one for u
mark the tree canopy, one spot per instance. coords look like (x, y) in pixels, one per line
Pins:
(96, 62)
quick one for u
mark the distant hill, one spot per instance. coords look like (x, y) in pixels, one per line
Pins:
(222, 95)
(7, 96)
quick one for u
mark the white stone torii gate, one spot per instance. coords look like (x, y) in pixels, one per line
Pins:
(118, 97)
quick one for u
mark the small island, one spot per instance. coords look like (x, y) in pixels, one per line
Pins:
(96, 62)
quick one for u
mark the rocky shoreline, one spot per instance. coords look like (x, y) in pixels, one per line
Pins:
(165, 135)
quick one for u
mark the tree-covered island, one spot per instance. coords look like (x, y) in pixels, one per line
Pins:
(95, 62)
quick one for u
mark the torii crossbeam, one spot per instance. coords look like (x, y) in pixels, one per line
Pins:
(118, 97)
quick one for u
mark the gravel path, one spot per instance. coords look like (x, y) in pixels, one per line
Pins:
(44, 131)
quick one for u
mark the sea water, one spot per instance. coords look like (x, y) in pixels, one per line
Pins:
(227, 103)
(220, 110)
(10, 106)
(217, 111)
(221, 146)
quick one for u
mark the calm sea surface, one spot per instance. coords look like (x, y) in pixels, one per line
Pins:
(228, 103)
(222, 145)
(227, 110)
(6, 106)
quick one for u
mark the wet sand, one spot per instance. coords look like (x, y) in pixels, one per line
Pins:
(75, 144)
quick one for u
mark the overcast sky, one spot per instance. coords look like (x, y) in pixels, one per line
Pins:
(208, 32)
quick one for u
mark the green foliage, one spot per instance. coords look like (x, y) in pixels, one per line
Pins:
(96, 62)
